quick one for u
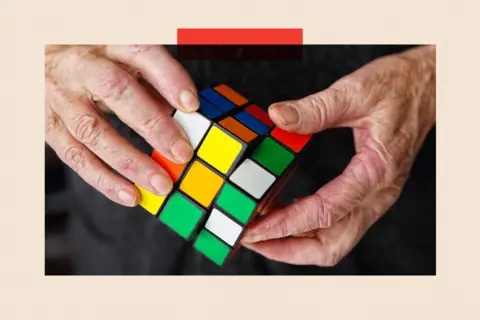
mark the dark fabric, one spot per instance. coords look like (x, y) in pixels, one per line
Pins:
(109, 239)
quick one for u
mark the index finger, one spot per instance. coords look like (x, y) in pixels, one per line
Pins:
(135, 107)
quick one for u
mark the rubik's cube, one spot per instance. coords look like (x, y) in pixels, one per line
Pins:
(241, 163)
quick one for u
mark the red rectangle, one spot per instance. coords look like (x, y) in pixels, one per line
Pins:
(240, 36)
(260, 114)
(294, 141)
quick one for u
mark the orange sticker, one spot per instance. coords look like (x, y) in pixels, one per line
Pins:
(238, 129)
(175, 170)
(231, 94)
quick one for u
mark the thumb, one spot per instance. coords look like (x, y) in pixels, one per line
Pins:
(314, 113)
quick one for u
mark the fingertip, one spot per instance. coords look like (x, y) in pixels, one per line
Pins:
(162, 184)
(181, 150)
(129, 197)
(189, 100)
(284, 114)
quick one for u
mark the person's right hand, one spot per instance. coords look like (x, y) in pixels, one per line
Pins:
(77, 77)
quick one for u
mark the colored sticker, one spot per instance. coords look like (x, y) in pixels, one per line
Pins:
(211, 247)
(260, 114)
(294, 141)
(201, 183)
(220, 150)
(194, 124)
(273, 156)
(236, 203)
(209, 110)
(252, 122)
(252, 178)
(238, 129)
(217, 99)
(181, 215)
(174, 170)
(223, 227)
(231, 94)
(150, 201)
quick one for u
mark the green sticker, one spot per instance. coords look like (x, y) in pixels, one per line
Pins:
(211, 247)
(181, 215)
(236, 203)
(273, 156)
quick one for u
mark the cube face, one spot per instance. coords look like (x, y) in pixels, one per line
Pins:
(220, 149)
(201, 183)
(241, 164)
(181, 215)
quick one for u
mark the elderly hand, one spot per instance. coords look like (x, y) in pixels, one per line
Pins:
(390, 104)
(82, 79)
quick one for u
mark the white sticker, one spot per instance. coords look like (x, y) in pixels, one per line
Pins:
(252, 178)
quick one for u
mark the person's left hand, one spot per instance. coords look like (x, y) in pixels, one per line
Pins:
(390, 104)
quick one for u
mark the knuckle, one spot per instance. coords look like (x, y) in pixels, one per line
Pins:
(151, 127)
(375, 167)
(324, 214)
(129, 165)
(75, 158)
(87, 129)
(317, 104)
(353, 83)
(100, 181)
(114, 84)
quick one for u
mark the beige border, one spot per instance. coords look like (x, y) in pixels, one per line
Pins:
(25, 26)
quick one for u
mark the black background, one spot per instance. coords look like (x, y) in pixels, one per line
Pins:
(87, 234)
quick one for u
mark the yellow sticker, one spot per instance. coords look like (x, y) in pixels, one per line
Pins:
(150, 201)
(220, 150)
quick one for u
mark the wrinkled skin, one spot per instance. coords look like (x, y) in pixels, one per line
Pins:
(140, 84)
(390, 105)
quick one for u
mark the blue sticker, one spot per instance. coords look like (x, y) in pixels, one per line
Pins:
(217, 99)
(252, 122)
(209, 110)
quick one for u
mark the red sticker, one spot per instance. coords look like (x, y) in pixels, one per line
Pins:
(294, 141)
(260, 114)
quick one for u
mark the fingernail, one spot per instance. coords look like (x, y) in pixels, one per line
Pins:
(189, 100)
(126, 197)
(286, 114)
(161, 184)
(182, 150)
